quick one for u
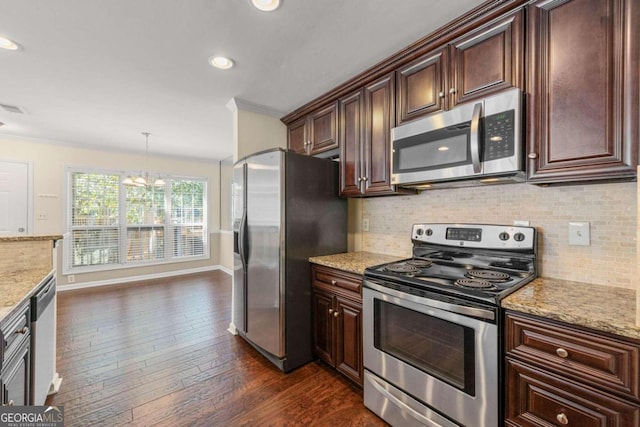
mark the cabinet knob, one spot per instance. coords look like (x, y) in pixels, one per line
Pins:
(333, 282)
(22, 331)
(562, 419)
(452, 90)
(533, 155)
(336, 313)
(359, 179)
(441, 94)
(365, 179)
(562, 352)
(330, 310)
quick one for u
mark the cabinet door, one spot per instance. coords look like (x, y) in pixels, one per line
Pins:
(421, 86)
(583, 108)
(351, 139)
(535, 398)
(15, 378)
(297, 135)
(322, 326)
(349, 339)
(323, 130)
(380, 113)
(488, 59)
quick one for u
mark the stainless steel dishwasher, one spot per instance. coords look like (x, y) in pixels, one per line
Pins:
(43, 329)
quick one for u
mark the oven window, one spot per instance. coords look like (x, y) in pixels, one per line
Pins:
(433, 150)
(442, 349)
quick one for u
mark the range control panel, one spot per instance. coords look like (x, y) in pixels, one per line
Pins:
(486, 236)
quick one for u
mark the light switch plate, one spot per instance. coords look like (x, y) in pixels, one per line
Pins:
(365, 224)
(579, 234)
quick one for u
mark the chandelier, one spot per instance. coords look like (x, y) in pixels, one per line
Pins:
(144, 179)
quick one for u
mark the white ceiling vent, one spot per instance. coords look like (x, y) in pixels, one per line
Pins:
(12, 108)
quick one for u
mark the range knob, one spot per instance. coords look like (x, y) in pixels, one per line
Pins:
(519, 237)
(504, 236)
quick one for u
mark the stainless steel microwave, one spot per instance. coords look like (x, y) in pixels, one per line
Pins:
(478, 142)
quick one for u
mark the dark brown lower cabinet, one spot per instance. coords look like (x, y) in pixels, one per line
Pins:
(536, 398)
(337, 320)
(561, 375)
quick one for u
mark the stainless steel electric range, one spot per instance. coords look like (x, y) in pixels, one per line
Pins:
(432, 324)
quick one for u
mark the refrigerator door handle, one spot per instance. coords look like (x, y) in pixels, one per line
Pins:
(242, 240)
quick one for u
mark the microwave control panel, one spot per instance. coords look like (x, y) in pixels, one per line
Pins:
(499, 135)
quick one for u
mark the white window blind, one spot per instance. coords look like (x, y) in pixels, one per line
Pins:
(94, 219)
(113, 225)
(187, 217)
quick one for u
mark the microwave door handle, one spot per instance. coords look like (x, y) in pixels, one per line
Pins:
(475, 137)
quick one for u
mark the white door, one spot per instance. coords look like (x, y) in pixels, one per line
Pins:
(14, 198)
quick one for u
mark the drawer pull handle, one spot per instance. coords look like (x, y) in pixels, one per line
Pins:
(562, 419)
(22, 331)
(333, 282)
(562, 352)
(9, 403)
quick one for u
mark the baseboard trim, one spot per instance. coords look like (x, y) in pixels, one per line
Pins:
(120, 280)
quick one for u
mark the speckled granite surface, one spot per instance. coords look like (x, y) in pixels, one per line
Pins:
(354, 262)
(29, 238)
(17, 287)
(597, 307)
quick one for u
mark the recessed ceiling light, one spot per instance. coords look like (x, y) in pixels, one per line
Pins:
(221, 62)
(5, 43)
(266, 5)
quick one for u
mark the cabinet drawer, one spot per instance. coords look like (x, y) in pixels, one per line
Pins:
(591, 358)
(13, 331)
(544, 400)
(337, 279)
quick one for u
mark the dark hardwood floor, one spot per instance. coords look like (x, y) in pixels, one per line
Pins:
(159, 353)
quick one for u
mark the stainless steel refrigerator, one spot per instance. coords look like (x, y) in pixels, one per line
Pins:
(285, 209)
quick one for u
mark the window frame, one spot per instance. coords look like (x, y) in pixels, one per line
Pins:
(123, 226)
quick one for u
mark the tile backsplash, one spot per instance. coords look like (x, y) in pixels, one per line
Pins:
(611, 210)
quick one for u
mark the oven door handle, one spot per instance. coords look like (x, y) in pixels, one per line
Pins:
(452, 308)
(400, 404)
(475, 138)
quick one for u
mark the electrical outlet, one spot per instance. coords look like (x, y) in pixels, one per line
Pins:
(365, 224)
(71, 278)
(579, 234)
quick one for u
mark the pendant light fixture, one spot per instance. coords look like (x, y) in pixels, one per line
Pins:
(144, 180)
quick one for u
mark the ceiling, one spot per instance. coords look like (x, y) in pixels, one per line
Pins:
(99, 72)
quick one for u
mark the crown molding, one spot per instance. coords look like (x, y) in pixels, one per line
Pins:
(236, 104)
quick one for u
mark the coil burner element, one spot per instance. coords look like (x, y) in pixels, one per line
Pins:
(402, 268)
(475, 284)
(489, 275)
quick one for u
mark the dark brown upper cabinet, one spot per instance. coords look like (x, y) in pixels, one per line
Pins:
(366, 119)
(583, 85)
(314, 133)
(482, 61)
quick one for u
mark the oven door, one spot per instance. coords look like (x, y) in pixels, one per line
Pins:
(440, 352)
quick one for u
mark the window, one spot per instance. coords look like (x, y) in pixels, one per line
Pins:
(113, 225)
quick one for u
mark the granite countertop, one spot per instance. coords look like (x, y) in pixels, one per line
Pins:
(353, 262)
(28, 238)
(18, 286)
(601, 308)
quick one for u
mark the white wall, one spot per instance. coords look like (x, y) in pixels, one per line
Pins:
(255, 128)
(50, 161)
